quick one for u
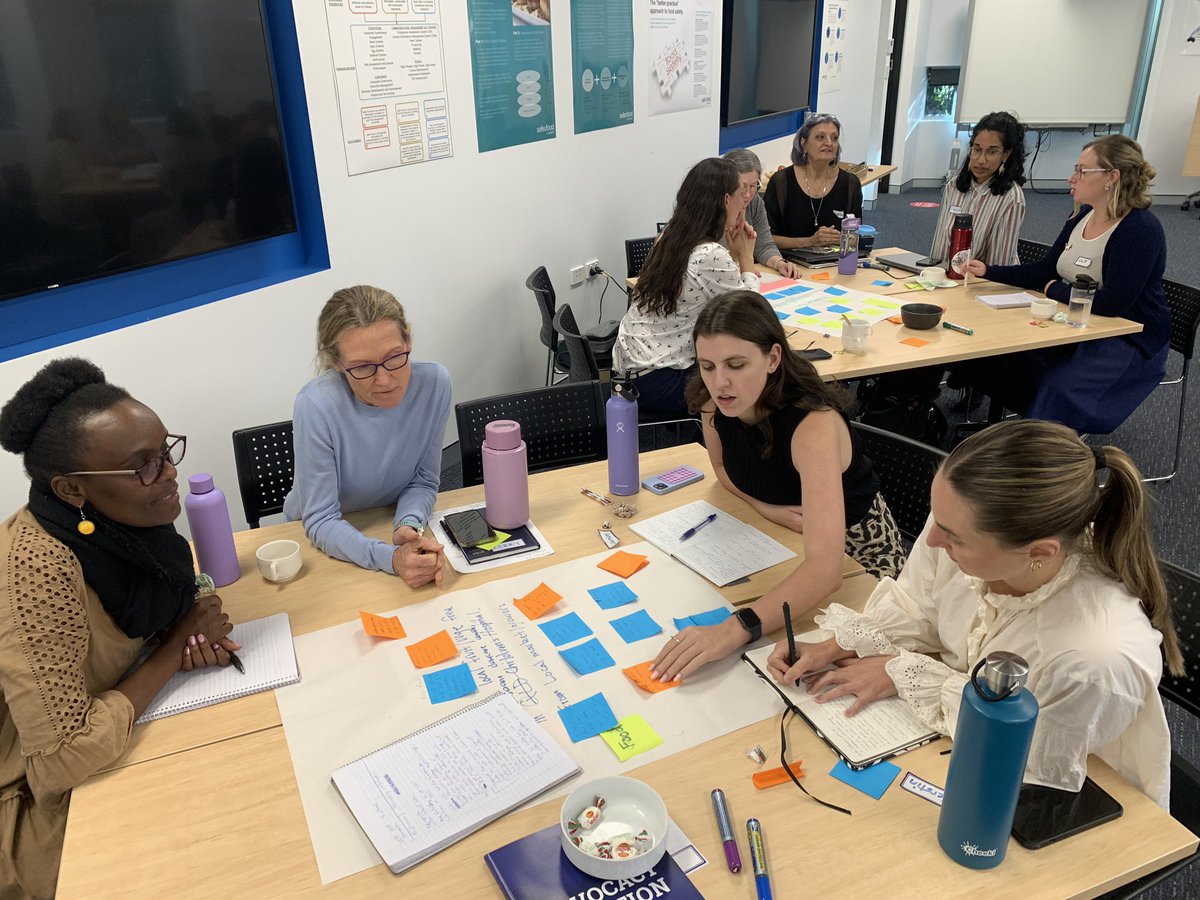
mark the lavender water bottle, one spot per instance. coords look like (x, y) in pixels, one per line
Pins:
(212, 535)
(621, 415)
(505, 475)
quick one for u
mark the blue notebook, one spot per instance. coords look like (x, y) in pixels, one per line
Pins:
(535, 868)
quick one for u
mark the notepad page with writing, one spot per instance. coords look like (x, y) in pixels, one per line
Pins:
(723, 551)
(427, 790)
(269, 658)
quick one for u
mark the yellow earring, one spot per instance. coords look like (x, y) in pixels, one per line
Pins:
(1035, 565)
(86, 526)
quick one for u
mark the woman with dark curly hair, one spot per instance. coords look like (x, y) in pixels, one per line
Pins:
(988, 188)
(94, 576)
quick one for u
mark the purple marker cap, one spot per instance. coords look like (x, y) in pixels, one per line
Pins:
(732, 858)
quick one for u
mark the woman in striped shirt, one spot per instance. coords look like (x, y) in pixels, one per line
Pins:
(988, 187)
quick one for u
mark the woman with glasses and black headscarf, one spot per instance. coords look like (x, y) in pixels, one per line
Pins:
(807, 201)
(368, 432)
(92, 576)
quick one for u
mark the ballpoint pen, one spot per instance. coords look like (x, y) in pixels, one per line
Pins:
(732, 858)
(791, 634)
(958, 328)
(758, 858)
(691, 532)
(236, 662)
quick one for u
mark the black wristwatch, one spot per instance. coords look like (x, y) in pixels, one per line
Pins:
(749, 620)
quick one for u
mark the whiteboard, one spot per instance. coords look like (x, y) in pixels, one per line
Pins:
(1051, 62)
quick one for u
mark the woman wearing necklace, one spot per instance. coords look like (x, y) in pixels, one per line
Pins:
(1115, 239)
(806, 202)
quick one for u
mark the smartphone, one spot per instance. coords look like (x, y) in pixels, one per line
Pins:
(469, 528)
(814, 354)
(1045, 815)
(665, 482)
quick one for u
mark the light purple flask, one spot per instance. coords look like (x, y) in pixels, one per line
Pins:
(505, 475)
(212, 535)
(848, 246)
(621, 416)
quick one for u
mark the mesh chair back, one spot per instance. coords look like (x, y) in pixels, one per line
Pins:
(905, 468)
(1184, 302)
(636, 251)
(583, 364)
(543, 291)
(1030, 251)
(1183, 589)
(266, 467)
(562, 425)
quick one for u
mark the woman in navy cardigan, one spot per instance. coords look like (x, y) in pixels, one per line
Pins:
(1093, 386)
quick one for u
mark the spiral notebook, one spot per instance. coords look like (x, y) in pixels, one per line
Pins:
(267, 654)
(431, 788)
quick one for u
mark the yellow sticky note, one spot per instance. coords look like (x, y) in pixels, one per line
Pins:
(633, 735)
(500, 538)
(623, 564)
(434, 649)
(640, 675)
(537, 601)
(381, 626)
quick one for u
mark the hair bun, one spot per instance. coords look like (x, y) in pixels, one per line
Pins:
(25, 414)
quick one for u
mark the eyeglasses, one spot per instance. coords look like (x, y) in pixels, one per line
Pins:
(393, 363)
(1080, 171)
(151, 470)
(750, 187)
(989, 153)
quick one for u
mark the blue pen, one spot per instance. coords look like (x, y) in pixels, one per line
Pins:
(758, 857)
(691, 532)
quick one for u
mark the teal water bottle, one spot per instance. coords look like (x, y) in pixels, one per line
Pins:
(991, 745)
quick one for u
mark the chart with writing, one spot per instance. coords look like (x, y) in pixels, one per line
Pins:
(819, 308)
(389, 69)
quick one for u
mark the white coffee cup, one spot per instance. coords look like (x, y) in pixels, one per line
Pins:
(279, 560)
(854, 335)
(935, 274)
(1043, 308)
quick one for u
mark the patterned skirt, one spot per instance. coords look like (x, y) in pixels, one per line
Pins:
(875, 542)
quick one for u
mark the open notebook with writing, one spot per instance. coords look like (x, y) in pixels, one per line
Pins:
(884, 729)
(267, 654)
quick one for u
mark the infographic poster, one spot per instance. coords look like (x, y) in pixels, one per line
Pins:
(682, 64)
(511, 65)
(601, 63)
(389, 70)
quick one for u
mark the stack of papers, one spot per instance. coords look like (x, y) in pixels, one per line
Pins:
(1007, 301)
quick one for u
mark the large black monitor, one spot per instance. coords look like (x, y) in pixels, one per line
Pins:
(766, 58)
(132, 133)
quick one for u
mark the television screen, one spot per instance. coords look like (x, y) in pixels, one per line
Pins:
(766, 58)
(133, 132)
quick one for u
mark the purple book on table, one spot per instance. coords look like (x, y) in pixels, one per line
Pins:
(535, 868)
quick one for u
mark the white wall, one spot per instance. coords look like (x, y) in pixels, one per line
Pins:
(1171, 102)
(454, 240)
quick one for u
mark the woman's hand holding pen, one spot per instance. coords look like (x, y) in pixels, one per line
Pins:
(417, 559)
(810, 658)
(695, 647)
(867, 679)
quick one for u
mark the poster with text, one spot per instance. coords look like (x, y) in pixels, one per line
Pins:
(682, 65)
(512, 67)
(389, 72)
(602, 63)
(833, 45)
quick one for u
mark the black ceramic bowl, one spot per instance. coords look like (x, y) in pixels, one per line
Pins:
(921, 315)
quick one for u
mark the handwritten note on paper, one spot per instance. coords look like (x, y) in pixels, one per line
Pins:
(633, 735)
(437, 648)
(624, 564)
(450, 684)
(610, 596)
(537, 601)
(587, 718)
(565, 629)
(712, 617)
(640, 675)
(381, 626)
(636, 627)
(588, 657)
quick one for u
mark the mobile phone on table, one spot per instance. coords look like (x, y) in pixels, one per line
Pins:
(469, 528)
(814, 354)
(1045, 814)
(665, 482)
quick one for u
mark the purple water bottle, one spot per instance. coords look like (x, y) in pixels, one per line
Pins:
(848, 248)
(621, 414)
(505, 475)
(212, 535)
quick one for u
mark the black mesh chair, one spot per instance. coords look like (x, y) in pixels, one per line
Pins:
(906, 469)
(1184, 302)
(266, 467)
(582, 364)
(636, 251)
(602, 336)
(1030, 251)
(562, 425)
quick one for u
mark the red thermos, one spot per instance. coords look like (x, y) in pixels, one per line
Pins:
(960, 243)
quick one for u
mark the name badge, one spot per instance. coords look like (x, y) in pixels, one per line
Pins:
(955, 210)
(922, 788)
(1083, 261)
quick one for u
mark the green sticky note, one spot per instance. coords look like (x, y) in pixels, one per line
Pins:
(887, 304)
(913, 285)
(500, 538)
(633, 735)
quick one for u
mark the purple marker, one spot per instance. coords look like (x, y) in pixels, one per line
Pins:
(732, 858)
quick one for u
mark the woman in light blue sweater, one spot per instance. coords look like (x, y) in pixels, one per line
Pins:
(368, 432)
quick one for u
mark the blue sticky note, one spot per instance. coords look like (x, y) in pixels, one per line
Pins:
(565, 629)
(636, 627)
(808, 311)
(712, 617)
(879, 282)
(612, 595)
(450, 684)
(838, 308)
(588, 657)
(781, 315)
(777, 295)
(587, 718)
(872, 781)
(796, 289)
(836, 291)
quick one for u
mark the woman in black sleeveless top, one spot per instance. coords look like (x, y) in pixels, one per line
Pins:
(778, 438)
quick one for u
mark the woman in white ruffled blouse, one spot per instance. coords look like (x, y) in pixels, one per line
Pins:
(1026, 552)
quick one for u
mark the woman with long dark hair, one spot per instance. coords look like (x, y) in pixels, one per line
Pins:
(687, 266)
(778, 438)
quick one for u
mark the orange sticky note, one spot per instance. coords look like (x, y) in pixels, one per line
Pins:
(640, 675)
(537, 601)
(895, 320)
(771, 777)
(820, 276)
(381, 626)
(434, 649)
(624, 564)
(914, 342)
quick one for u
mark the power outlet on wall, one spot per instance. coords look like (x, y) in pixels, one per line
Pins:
(593, 267)
(578, 275)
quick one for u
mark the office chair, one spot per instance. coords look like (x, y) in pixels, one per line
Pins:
(602, 336)
(1030, 251)
(636, 251)
(905, 468)
(582, 364)
(1184, 302)
(562, 425)
(266, 467)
